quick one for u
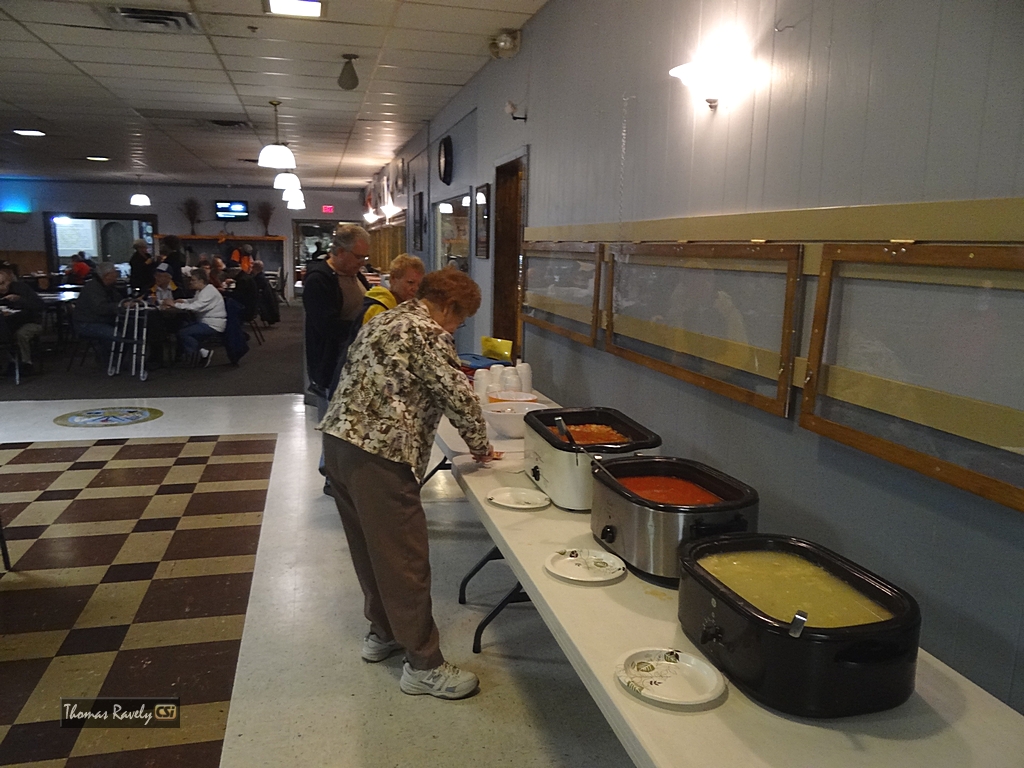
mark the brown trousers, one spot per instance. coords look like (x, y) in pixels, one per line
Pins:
(379, 504)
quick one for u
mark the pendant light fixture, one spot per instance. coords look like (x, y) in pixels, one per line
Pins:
(296, 205)
(370, 216)
(139, 198)
(276, 155)
(348, 80)
(286, 180)
(292, 194)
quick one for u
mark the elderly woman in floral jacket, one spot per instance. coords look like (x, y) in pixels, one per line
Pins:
(401, 376)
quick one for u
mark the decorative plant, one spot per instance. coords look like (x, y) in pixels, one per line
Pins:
(264, 211)
(190, 207)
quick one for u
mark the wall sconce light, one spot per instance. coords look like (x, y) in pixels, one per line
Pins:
(510, 109)
(348, 80)
(505, 44)
(370, 216)
(723, 71)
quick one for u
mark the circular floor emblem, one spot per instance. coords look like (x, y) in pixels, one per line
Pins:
(108, 417)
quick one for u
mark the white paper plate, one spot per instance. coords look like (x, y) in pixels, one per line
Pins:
(518, 498)
(668, 676)
(588, 565)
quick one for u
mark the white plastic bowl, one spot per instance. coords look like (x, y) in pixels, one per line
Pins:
(507, 418)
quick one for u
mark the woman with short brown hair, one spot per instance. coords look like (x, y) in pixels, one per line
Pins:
(401, 376)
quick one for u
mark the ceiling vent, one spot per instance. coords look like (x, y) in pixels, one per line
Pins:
(151, 20)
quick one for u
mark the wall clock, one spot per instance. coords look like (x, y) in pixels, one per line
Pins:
(444, 160)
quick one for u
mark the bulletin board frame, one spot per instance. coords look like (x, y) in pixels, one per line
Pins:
(581, 251)
(959, 260)
(775, 257)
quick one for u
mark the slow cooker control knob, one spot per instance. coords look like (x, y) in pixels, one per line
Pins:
(535, 472)
(608, 534)
(712, 633)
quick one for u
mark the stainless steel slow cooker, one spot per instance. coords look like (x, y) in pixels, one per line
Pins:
(561, 469)
(792, 666)
(646, 534)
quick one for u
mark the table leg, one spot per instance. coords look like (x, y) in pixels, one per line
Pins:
(493, 554)
(517, 595)
(442, 464)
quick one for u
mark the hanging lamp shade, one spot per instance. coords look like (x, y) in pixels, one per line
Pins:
(348, 80)
(276, 155)
(296, 205)
(285, 180)
(140, 199)
(292, 194)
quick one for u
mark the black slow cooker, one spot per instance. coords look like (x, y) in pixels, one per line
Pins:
(801, 670)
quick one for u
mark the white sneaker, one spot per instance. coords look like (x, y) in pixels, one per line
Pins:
(375, 649)
(445, 682)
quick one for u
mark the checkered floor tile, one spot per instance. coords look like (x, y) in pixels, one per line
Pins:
(132, 565)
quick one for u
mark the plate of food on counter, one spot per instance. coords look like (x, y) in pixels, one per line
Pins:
(669, 676)
(585, 565)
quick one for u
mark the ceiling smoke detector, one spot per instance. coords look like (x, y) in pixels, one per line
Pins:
(150, 20)
(505, 44)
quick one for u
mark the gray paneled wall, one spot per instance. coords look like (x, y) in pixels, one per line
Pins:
(869, 102)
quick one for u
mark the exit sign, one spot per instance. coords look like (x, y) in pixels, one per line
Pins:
(328, 209)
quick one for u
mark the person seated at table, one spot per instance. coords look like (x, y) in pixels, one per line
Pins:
(164, 288)
(26, 325)
(406, 275)
(211, 316)
(96, 308)
(218, 273)
(79, 270)
(401, 376)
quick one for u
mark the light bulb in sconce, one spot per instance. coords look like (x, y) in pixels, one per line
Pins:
(510, 109)
(723, 70)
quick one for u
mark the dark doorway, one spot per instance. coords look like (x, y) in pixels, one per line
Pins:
(509, 193)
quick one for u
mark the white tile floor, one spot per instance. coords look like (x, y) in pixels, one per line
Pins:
(302, 695)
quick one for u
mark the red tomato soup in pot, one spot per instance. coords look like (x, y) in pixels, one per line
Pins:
(668, 490)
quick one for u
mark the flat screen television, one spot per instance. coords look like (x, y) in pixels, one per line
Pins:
(231, 210)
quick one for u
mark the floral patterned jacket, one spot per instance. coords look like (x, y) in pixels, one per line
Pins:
(401, 375)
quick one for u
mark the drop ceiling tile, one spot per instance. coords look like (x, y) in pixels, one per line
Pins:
(78, 14)
(440, 92)
(17, 49)
(420, 75)
(467, 20)
(295, 30)
(285, 66)
(51, 66)
(122, 86)
(456, 62)
(255, 47)
(10, 30)
(288, 95)
(100, 69)
(289, 82)
(442, 42)
(529, 7)
(151, 41)
(138, 57)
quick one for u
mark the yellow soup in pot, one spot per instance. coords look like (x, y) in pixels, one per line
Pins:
(780, 584)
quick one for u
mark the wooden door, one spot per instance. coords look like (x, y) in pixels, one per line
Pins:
(508, 246)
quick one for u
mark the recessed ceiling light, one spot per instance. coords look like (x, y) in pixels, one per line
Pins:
(295, 7)
(98, 158)
(29, 133)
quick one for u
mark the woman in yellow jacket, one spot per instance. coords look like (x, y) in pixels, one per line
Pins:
(405, 278)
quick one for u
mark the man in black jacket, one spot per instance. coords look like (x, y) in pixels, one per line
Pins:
(332, 296)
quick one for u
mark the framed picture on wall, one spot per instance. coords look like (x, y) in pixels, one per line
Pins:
(481, 248)
(418, 223)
